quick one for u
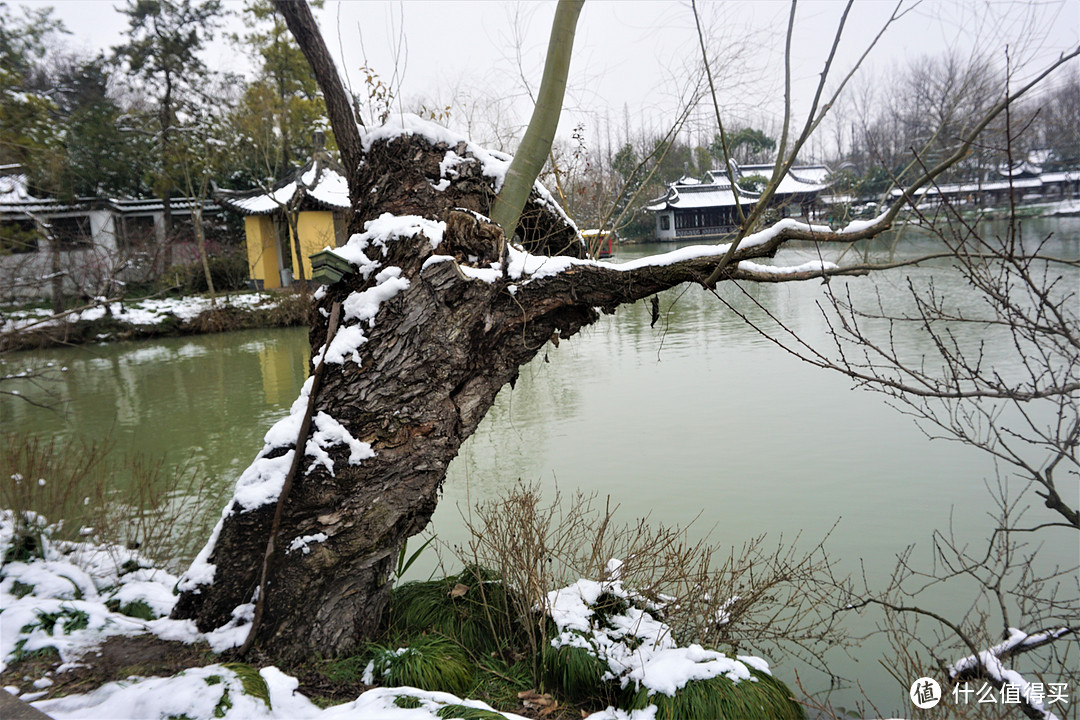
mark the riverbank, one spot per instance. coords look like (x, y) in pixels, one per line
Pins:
(1058, 208)
(455, 648)
(36, 328)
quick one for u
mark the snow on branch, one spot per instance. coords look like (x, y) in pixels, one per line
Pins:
(989, 664)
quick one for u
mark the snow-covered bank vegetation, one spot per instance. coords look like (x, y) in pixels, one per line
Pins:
(105, 321)
(85, 603)
(76, 613)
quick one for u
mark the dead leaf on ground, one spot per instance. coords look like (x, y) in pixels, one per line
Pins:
(535, 701)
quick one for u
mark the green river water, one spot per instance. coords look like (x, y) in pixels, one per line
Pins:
(697, 417)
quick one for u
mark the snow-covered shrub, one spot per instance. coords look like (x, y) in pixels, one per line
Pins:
(764, 595)
(610, 646)
(66, 597)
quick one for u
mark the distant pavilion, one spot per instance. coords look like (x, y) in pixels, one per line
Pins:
(706, 208)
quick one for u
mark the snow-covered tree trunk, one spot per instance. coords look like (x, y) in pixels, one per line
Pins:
(418, 360)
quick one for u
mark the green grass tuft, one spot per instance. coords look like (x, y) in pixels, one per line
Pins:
(722, 699)
(345, 670)
(482, 619)
(21, 589)
(254, 684)
(70, 620)
(407, 702)
(25, 546)
(498, 681)
(428, 663)
(608, 605)
(136, 609)
(46, 653)
(577, 674)
(223, 705)
(467, 713)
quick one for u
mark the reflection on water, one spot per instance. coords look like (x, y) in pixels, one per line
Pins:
(206, 400)
(697, 416)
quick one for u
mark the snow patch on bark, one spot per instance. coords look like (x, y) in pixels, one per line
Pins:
(527, 267)
(812, 266)
(988, 662)
(301, 543)
(383, 230)
(494, 164)
(856, 226)
(361, 307)
(329, 432)
(202, 571)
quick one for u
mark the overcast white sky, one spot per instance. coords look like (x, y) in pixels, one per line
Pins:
(630, 55)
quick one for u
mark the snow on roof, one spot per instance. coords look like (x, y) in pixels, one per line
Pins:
(331, 190)
(971, 187)
(817, 174)
(715, 190)
(702, 195)
(29, 205)
(1019, 170)
(13, 187)
(799, 179)
(1057, 177)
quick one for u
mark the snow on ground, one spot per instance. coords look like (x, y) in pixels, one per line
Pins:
(216, 692)
(137, 312)
(62, 600)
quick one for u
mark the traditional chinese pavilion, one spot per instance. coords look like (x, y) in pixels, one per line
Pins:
(705, 208)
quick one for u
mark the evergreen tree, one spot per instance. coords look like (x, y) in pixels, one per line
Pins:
(165, 38)
(746, 145)
(28, 135)
(282, 107)
(98, 158)
(1059, 125)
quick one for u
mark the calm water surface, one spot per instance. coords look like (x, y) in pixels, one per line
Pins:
(697, 417)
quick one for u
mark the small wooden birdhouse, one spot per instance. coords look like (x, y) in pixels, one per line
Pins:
(327, 267)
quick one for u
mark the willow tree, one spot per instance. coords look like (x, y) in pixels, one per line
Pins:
(410, 349)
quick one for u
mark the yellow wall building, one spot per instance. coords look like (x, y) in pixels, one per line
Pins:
(316, 200)
(264, 259)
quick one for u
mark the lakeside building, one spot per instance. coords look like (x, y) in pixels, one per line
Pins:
(706, 208)
(1024, 183)
(86, 243)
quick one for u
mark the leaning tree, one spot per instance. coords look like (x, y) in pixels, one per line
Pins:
(438, 310)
